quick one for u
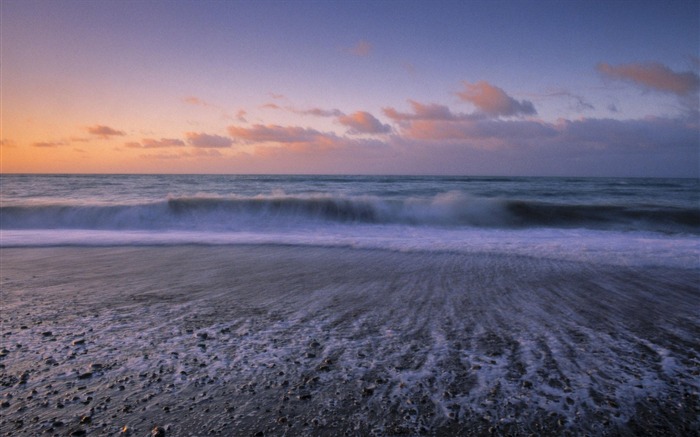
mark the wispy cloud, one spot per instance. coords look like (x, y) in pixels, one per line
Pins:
(104, 132)
(270, 106)
(196, 153)
(203, 140)
(362, 48)
(150, 143)
(274, 133)
(192, 100)
(49, 144)
(318, 112)
(240, 115)
(362, 122)
(579, 103)
(493, 101)
(653, 76)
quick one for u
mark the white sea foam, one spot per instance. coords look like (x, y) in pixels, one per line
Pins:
(349, 341)
(611, 247)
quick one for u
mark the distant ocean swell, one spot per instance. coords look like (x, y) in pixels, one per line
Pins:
(450, 209)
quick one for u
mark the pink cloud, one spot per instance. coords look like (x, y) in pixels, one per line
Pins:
(422, 112)
(493, 101)
(150, 143)
(104, 132)
(192, 100)
(278, 141)
(362, 122)
(653, 76)
(362, 48)
(207, 141)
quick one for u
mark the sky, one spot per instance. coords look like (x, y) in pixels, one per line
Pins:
(521, 88)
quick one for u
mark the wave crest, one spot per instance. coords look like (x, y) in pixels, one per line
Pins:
(445, 209)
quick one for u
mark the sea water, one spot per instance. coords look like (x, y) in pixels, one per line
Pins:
(612, 220)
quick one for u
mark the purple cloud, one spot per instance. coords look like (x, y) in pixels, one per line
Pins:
(207, 141)
(104, 132)
(654, 76)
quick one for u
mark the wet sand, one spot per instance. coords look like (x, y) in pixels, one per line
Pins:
(275, 340)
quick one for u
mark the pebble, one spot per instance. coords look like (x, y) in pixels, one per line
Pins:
(158, 431)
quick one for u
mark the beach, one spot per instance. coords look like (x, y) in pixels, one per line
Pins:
(304, 340)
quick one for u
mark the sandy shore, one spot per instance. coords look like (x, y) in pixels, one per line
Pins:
(266, 340)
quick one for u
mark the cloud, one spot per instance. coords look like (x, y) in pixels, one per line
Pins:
(274, 141)
(493, 101)
(104, 132)
(579, 103)
(362, 48)
(150, 143)
(480, 133)
(196, 153)
(318, 112)
(362, 122)
(274, 133)
(192, 100)
(50, 144)
(422, 112)
(207, 141)
(8, 143)
(653, 76)
(653, 146)
(271, 106)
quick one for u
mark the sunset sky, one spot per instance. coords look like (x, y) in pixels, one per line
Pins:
(590, 88)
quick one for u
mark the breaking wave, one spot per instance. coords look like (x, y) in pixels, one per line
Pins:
(450, 209)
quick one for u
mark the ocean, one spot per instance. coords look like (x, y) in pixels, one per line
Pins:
(349, 305)
(616, 220)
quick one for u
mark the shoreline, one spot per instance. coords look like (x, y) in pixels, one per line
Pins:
(285, 340)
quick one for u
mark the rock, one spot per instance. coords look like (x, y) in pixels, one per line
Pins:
(85, 375)
(158, 431)
(78, 342)
(47, 333)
